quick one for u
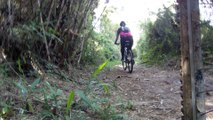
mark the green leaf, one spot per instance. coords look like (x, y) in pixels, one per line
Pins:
(45, 96)
(97, 71)
(59, 92)
(46, 114)
(87, 101)
(67, 118)
(22, 88)
(36, 82)
(69, 101)
(95, 106)
(5, 110)
(19, 65)
(30, 107)
(84, 97)
(106, 88)
(50, 87)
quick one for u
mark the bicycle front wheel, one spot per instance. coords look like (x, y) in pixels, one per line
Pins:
(124, 64)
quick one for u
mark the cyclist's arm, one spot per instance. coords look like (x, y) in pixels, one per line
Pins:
(117, 35)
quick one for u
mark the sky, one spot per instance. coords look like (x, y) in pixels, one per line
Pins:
(132, 11)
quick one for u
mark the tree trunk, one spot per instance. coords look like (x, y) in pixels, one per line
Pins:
(198, 63)
(191, 64)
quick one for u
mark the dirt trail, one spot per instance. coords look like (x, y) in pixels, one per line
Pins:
(154, 92)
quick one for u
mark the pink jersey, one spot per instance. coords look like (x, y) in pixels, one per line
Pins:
(125, 34)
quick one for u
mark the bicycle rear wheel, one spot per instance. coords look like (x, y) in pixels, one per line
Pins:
(124, 62)
(130, 61)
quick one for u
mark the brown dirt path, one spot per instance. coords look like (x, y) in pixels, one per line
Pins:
(154, 92)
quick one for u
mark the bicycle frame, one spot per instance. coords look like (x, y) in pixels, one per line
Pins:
(128, 59)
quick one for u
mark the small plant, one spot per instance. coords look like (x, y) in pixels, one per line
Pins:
(50, 97)
(53, 102)
(69, 102)
(47, 101)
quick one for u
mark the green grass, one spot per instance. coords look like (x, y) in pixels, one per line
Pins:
(95, 98)
(112, 64)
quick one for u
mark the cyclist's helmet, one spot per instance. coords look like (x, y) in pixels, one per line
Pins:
(122, 24)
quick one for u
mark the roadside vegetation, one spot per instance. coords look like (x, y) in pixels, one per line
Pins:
(51, 58)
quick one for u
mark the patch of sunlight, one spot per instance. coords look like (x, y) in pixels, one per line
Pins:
(120, 66)
(2, 55)
(209, 103)
(98, 47)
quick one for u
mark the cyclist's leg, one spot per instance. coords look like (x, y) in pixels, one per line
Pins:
(131, 42)
(133, 61)
(122, 49)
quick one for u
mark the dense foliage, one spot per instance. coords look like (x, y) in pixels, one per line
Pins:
(50, 30)
(207, 35)
(100, 46)
(51, 35)
(159, 42)
(55, 34)
(160, 39)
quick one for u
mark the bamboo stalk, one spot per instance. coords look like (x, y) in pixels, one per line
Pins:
(44, 35)
(50, 11)
(62, 9)
(48, 18)
(81, 49)
(86, 11)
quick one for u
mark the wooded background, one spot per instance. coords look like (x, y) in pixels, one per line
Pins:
(45, 30)
(45, 35)
(62, 32)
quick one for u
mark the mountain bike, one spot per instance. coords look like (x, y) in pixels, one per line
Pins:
(128, 61)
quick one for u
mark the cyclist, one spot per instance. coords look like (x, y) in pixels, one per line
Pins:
(125, 36)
